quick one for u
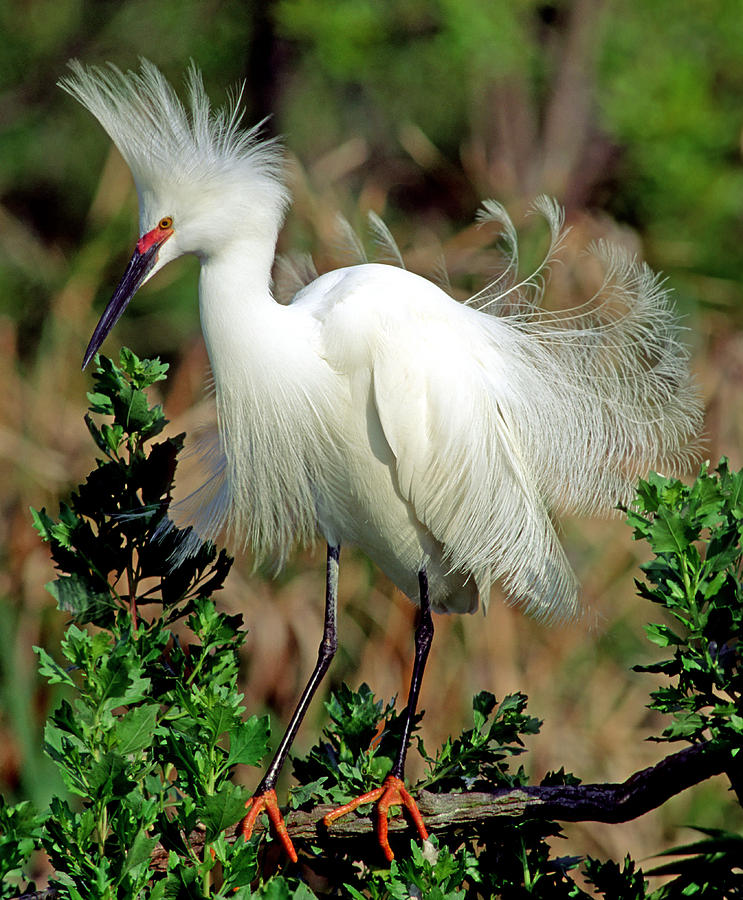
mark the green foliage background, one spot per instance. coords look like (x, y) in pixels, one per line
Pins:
(629, 112)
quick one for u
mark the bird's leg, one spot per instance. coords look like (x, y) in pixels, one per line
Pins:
(423, 639)
(393, 791)
(265, 794)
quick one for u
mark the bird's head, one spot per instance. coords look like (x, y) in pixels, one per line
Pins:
(203, 181)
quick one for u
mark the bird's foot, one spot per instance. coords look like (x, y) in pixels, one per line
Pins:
(392, 793)
(256, 805)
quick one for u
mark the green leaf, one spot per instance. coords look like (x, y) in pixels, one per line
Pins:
(113, 435)
(222, 809)
(74, 594)
(100, 403)
(116, 687)
(482, 705)
(217, 720)
(140, 851)
(671, 533)
(143, 372)
(52, 670)
(249, 742)
(135, 729)
(662, 635)
(280, 888)
(42, 523)
(108, 776)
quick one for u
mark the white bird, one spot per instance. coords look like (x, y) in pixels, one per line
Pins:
(376, 410)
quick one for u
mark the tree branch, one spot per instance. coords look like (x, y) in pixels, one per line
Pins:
(480, 811)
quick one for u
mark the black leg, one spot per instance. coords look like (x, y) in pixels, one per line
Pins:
(423, 639)
(325, 654)
(264, 798)
(393, 791)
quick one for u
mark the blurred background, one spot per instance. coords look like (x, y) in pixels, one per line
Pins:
(630, 112)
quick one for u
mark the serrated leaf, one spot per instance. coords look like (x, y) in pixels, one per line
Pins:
(136, 414)
(249, 742)
(278, 888)
(670, 532)
(218, 719)
(42, 523)
(482, 705)
(108, 775)
(135, 729)
(685, 726)
(113, 435)
(240, 864)
(140, 851)
(143, 372)
(52, 670)
(74, 594)
(100, 403)
(705, 500)
(222, 809)
(736, 722)
(662, 635)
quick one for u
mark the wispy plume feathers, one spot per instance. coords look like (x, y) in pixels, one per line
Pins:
(164, 140)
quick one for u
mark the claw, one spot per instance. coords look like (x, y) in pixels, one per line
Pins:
(267, 801)
(392, 793)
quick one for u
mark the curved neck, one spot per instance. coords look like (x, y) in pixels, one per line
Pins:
(235, 301)
(242, 267)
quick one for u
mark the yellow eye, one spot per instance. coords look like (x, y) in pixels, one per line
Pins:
(165, 224)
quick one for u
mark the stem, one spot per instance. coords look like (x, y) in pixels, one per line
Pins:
(196, 668)
(525, 868)
(691, 595)
(131, 580)
(102, 828)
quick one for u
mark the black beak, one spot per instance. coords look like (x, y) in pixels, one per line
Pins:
(136, 272)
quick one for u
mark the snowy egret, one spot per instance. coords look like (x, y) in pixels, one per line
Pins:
(376, 410)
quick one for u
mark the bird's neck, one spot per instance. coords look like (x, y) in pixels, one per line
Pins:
(258, 351)
(235, 302)
(241, 269)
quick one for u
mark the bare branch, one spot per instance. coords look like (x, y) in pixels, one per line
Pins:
(481, 811)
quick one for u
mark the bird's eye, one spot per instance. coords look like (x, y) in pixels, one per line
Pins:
(165, 224)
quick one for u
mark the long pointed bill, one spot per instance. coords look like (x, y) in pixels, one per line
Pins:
(140, 265)
(136, 272)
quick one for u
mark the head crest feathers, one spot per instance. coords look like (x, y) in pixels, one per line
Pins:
(164, 140)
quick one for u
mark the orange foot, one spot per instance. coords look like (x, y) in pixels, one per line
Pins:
(391, 793)
(267, 801)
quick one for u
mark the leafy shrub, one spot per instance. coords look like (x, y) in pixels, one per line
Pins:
(152, 725)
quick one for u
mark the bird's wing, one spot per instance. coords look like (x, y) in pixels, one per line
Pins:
(459, 464)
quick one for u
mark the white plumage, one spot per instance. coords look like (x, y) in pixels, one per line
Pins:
(376, 409)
